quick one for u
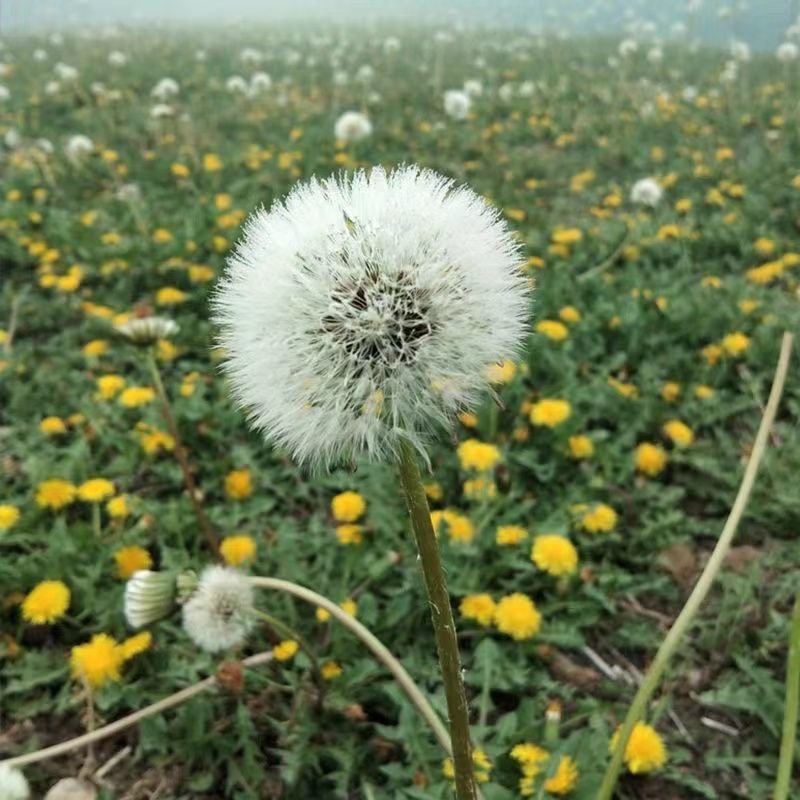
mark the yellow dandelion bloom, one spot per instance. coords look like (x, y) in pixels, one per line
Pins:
(501, 373)
(645, 751)
(554, 554)
(170, 296)
(98, 661)
(550, 412)
(481, 456)
(349, 534)
(238, 549)
(734, 344)
(459, 527)
(565, 778)
(95, 490)
(569, 314)
(47, 602)
(136, 396)
(581, 447)
(349, 606)
(9, 515)
(238, 484)
(109, 386)
(508, 535)
(517, 615)
(135, 645)
(348, 507)
(330, 670)
(118, 507)
(553, 329)
(679, 432)
(601, 518)
(52, 426)
(131, 559)
(650, 459)
(479, 607)
(55, 494)
(286, 650)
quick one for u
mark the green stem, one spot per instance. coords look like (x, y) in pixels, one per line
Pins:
(442, 616)
(376, 647)
(789, 738)
(96, 522)
(698, 595)
(180, 455)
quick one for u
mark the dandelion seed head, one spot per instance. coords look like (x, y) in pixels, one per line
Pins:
(365, 309)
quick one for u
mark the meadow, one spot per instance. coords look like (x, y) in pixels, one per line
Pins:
(593, 485)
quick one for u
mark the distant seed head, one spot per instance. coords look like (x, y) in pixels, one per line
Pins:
(365, 309)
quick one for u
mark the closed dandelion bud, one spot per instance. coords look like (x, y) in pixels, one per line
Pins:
(146, 331)
(149, 597)
(219, 615)
(363, 311)
(186, 584)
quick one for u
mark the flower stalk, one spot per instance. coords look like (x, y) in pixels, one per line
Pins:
(703, 585)
(791, 707)
(442, 618)
(181, 456)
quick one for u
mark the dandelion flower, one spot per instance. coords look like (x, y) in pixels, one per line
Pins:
(55, 494)
(645, 751)
(679, 432)
(131, 560)
(565, 778)
(285, 651)
(457, 104)
(650, 459)
(507, 535)
(238, 484)
(95, 490)
(601, 518)
(479, 607)
(330, 670)
(52, 426)
(218, 616)
(554, 554)
(517, 616)
(581, 447)
(734, 344)
(118, 507)
(349, 534)
(237, 550)
(550, 412)
(477, 455)
(459, 527)
(348, 507)
(646, 192)
(9, 515)
(98, 661)
(47, 602)
(362, 310)
(135, 645)
(147, 330)
(136, 396)
(13, 785)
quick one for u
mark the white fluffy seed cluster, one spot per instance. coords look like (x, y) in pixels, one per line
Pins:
(364, 309)
(219, 615)
(13, 785)
(646, 192)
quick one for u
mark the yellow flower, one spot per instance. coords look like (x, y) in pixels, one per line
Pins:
(553, 329)
(223, 202)
(211, 162)
(570, 314)
(95, 348)
(679, 432)
(481, 456)
(479, 607)
(237, 550)
(734, 344)
(117, 507)
(348, 507)
(179, 170)
(517, 615)
(95, 490)
(55, 494)
(650, 458)
(52, 426)
(567, 236)
(170, 296)
(671, 391)
(98, 661)
(625, 389)
(286, 650)
(565, 778)
(554, 554)
(764, 246)
(330, 670)
(703, 392)
(683, 206)
(529, 756)
(349, 607)
(550, 412)
(468, 419)
(134, 645)
(645, 751)
(459, 527)
(131, 559)
(349, 534)
(434, 491)
(8, 516)
(712, 353)
(322, 614)
(47, 602)
(153, 440)
(109, 386)
(510, 535)
(238, 484)
(581, 446)
(136, 396)
(599, 519)
(501, 373)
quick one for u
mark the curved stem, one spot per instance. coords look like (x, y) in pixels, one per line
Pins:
(789, 738)
(180, 455)
(681, 624)
(126, 722)
(442, 617)
(372, 643)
